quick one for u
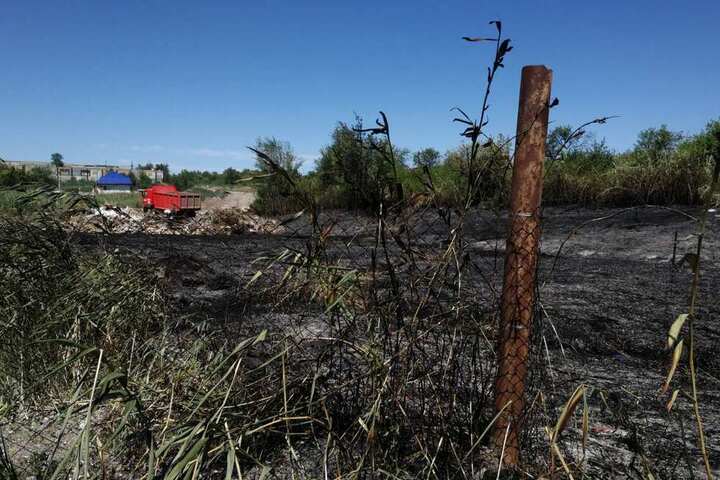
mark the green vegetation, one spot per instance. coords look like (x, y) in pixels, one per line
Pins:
(14, 182)
(18, 178)
(16, 200)
(208, 192)
(664, 167)
(77, 185)
(67, 315)
(97, 298)
(132, 200)
(56, 160)
(143, 181)
(282, 177)
(191, 179)
(427, 157)
(354, 171)
(8, 198)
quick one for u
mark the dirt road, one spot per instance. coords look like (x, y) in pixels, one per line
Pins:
(233, 199)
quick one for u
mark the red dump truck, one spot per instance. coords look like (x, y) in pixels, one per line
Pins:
(168, 199)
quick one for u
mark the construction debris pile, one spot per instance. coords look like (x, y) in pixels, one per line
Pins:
(207, 222)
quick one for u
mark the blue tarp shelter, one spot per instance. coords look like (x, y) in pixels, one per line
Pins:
(114, 181)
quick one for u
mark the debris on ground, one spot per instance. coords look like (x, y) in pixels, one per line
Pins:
(206, 222)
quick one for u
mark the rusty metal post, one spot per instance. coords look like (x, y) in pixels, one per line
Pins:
(521, 255)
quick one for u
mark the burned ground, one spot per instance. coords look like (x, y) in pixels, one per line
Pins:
(611, 293)
(608, 293)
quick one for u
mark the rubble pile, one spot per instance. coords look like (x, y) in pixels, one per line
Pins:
(206, 222)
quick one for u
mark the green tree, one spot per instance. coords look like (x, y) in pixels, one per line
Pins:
(563, 139)
(57, 160)
(427, 157)
(183, 180)
(134, 180)
(163, 167)
(276, 194)
(699, 147)
(281, 152)
(558, 137)
(357, 168)
(141, 181)
(144, 181)
(594, 158)
(491, 167)
(656, 143)
(17, 178)
(231, 176)
(343, 161)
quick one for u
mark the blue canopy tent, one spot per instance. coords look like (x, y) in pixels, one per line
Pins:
(114, 181)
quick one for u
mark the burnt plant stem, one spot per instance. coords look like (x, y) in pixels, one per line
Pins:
(691, 320)
(474, 149)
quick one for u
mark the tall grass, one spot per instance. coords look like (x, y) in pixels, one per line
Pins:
(88, 334)
(673, 181)
(8, 199)
(12, 199)
(130, 199)
(591, 175)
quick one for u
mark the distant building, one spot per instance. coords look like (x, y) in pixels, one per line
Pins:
(91, 173)
(114, 182)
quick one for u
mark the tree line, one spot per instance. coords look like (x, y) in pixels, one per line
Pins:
(356, 170)
(352, 171)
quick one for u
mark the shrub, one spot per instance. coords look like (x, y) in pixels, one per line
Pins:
(360, 171)
(81, 185)
(275, 194)
(19, 178)
(663, 168)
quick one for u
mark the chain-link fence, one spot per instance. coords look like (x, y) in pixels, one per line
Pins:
(518, 309)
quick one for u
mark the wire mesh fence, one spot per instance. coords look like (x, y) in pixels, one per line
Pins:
(518, 309)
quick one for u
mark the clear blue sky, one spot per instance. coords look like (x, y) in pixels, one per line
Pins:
(191, 83)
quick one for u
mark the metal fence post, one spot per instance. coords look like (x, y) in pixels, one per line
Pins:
(518, 295)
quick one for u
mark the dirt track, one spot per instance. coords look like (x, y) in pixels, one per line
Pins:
(234, 199)
(611, 294)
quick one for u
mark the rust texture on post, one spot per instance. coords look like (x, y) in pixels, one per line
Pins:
(518, 295)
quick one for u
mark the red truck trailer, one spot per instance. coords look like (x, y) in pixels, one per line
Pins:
(168, 199)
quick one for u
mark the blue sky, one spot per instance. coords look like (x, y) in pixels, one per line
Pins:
(191, 83)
